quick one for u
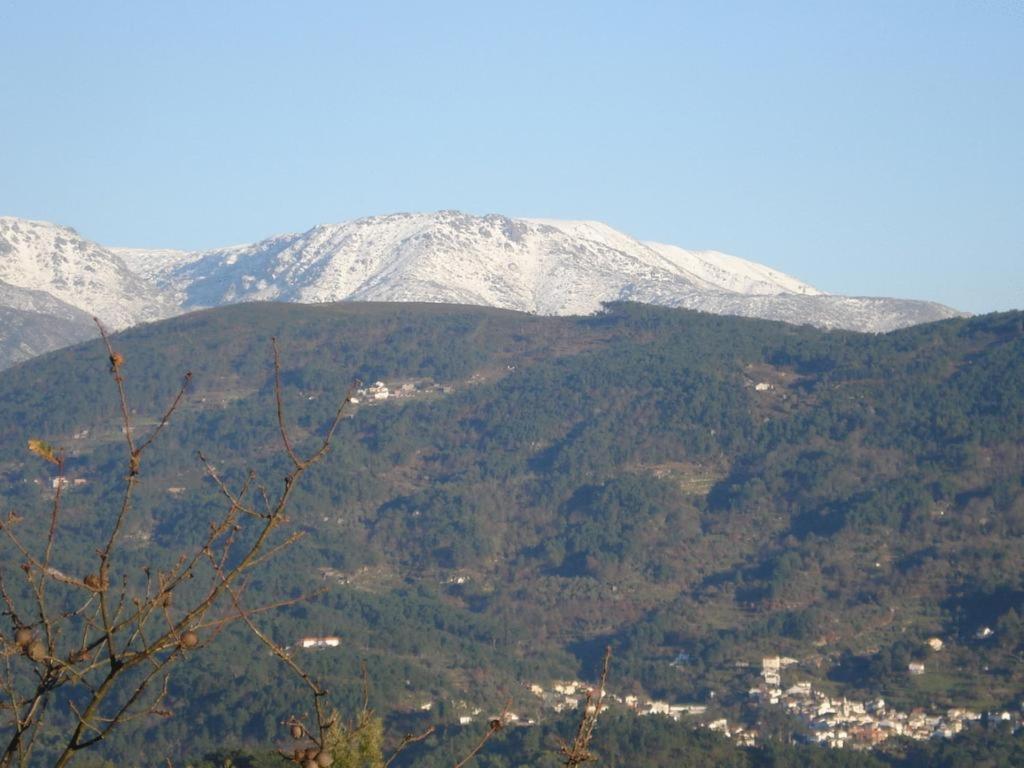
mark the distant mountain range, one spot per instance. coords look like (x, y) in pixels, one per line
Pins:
(52, 280)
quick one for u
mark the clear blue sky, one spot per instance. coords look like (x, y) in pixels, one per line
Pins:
(870, 148)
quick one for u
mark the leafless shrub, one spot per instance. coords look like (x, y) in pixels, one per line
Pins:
(110, 638)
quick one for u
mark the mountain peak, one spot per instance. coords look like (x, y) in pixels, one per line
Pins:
(546, 266)
(543, 266)
(41, 256)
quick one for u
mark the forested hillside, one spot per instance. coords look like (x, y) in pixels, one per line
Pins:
(696, 491)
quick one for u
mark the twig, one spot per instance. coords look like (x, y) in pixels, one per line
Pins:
(408, 739)
(578, 752)
(280, 407)
(495, 725)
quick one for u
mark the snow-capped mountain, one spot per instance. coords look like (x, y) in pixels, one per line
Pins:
(543, 266)
(39, 256)
(548, 267)
(533, 265)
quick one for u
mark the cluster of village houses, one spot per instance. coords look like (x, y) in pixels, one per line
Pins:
(839, 722)
(65, 482)
(831, 721)
(379, 391)
(376, 391)
(563, 696)
(567, 696)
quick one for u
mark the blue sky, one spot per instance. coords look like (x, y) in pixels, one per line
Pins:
(869, 148)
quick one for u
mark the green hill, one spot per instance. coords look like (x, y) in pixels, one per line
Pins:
(533, 488)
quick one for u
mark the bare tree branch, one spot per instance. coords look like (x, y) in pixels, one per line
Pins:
(578, 752)
(406, 741)
(107, 633)
(493, 726)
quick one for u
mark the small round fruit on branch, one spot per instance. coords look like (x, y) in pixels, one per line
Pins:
(189, 639)
(23, 636)
(36, 651)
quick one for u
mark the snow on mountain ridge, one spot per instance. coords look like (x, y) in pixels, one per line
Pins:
(147, 263)
(46, 257)
(543, 266)
(731, 273)
(536, 265)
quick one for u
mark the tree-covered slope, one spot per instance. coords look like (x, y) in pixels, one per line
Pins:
(533, 488)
